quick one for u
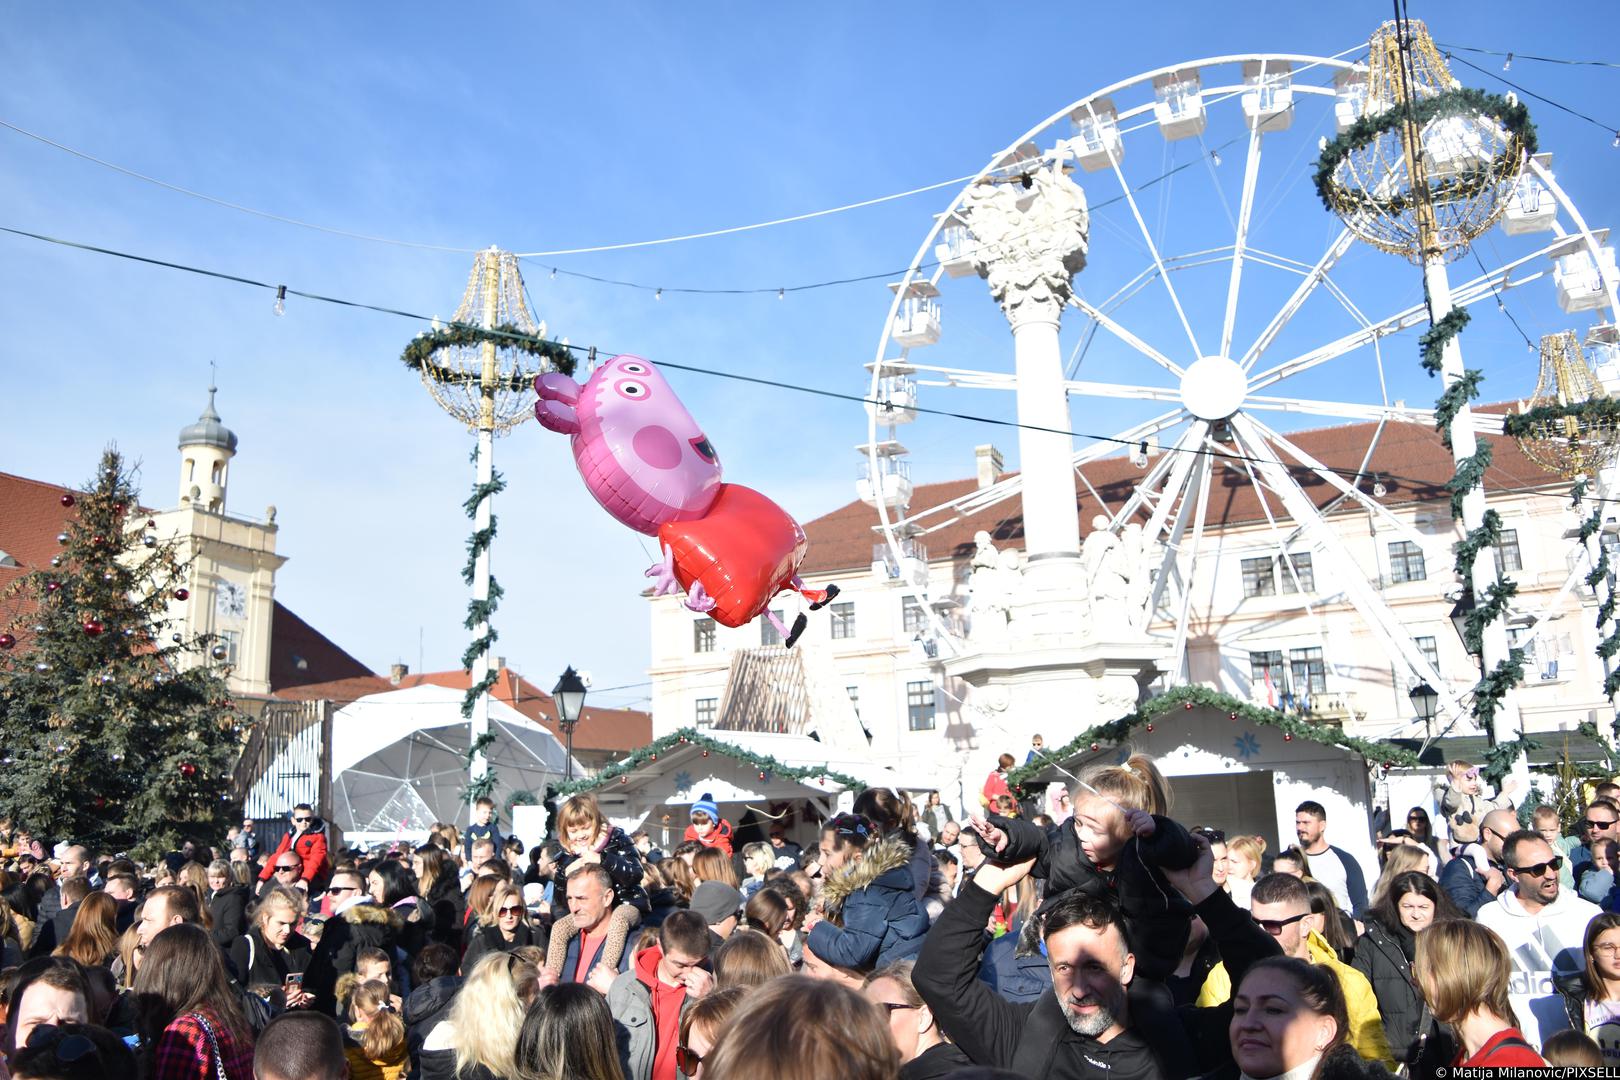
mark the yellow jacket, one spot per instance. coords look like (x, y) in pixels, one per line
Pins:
(1366, 1026)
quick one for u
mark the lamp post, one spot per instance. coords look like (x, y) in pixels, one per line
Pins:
(1426, 702)
(569, 694)
(1460, 613)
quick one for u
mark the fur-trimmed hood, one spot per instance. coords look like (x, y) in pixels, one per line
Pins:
(373, 914)
(887, 856)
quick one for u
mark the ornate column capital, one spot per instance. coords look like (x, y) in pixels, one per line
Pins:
(1029, 242)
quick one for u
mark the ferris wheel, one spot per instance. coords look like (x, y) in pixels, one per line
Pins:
(1213, 308)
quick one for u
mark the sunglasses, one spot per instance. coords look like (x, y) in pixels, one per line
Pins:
(343, 888)
(1275, 926)
(303, 820)
(287, 869)
(511, 910)
(1537, 869)
(1590, 824)
(894, 1006)
(687, 1059)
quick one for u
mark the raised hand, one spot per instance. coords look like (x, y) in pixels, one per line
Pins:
(1196, 882)
(994, 838)
(1141, 823)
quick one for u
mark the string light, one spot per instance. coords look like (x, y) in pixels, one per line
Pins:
(553, 273)
(1215, 157)
(281, 299)
(1507, 64)
(659, 295)
(781, 294)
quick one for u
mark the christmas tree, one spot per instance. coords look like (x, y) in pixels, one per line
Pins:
(114, 731)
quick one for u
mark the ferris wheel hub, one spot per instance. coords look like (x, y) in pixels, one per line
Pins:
(1214, 388)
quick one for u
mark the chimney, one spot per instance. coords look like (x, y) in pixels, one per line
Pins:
(397, 673)
(988, 459)
(500, 663)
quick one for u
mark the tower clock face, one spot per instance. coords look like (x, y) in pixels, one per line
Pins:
(230, 601)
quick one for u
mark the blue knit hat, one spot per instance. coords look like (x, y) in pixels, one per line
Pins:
(707, 805)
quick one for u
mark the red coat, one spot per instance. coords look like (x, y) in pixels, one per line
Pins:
(995, 784)
(311, 849)
(719, 836)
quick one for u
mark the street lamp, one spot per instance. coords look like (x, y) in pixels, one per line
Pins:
(1426, 702)
(569, 694)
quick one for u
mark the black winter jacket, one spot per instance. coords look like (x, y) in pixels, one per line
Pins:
(1382, 954)
(621, 859)
(449, 906)
(345, 935)
(1156, 916)
(485, 940)
(228, 907)
(426, 1006)
(1035, 1039)
(256, 964)
(938, 1061)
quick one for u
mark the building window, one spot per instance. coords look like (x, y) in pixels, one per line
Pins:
(1259, 578)
(1310, 677)
(1262, 662)
(1304, 573)
(1406, 562)
(768, 633)
(703, 635)
(231, 639)
(920, 705)
(843, 621)
(913, 620)
(1430, 650)
(703, 716)
(1508, 558)
(854, 693)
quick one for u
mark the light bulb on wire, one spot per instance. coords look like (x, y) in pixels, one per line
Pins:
(1508, 63)
(553, 273)
(281, 299)
(659, 295)
(1215, 156)
(781, 294)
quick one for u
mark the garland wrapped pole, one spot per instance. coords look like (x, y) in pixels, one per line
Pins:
(1424, 171)
(475, 369)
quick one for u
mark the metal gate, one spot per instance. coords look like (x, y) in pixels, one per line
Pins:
(287, 761)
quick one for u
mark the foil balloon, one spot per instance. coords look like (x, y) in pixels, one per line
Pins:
(647, 462)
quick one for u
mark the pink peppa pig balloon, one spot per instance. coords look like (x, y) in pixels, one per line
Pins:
(640, 452)
(644, 458)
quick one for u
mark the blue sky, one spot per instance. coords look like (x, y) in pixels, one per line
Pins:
(537, 127)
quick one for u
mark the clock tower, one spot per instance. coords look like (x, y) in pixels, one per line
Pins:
(232, 559)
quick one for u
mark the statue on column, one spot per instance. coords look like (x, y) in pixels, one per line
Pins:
(1140, 550)
(1107, 568)
(1031, 240)
(991, 590)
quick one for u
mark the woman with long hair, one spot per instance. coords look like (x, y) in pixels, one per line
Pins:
(701, 1026)
(191, 1022)
(194, 876)
(1400, 859)
(393, 886)
(477, 910)
(1337, 928)
(11, 946)
(798, 1028)
(1288, 1019)
(272, 949)
(791, 932)
(568, 1034)
(935, 815)
(375, 1040)
(1408, 904)
(682, 880)
(1592, 995)
(93, 939)
(759, 859)
(924, 1050)
(896, 819)
(505, 929)
(477, 1040)
(712, 864)
(1420, 827)
(1463, 970)
(440, 885)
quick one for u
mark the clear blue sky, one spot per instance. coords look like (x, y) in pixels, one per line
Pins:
(534, 127)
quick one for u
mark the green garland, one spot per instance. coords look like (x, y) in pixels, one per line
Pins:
(484, 786)
(1114, 732)
(418, 355)
(1512, 115)
(691, 736)
(480, 612)
(1599, 413)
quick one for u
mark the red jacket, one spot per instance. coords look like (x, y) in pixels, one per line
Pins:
(719, 836)
(666, 1003)
(1506, 1047)
(311, 849)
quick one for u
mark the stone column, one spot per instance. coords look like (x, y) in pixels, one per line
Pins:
(1030, 241)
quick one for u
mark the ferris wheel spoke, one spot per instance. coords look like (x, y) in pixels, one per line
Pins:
(1484, 423)
(1302, 292)
(1383, 623)
(1109, 323)
(1123, 391)
(1177, 463)
(1153, 249)
(1178, 651)
(1251, 172)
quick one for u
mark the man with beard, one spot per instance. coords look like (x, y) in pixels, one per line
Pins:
(1081, 1026)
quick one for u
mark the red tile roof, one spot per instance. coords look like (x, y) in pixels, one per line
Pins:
(616, 730)
(1411, 458)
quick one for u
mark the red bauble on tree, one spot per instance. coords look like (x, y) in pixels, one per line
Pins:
(94, 626)
(99, 803)
(7, 641)
(1187, 705)
(1288, 736)
(182, 594)
(1150, 727)
(67, 500)
(188, 770)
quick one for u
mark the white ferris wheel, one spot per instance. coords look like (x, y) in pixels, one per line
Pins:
(1216, 308)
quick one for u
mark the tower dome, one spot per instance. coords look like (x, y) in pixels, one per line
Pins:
(208, 430)
(206, 449)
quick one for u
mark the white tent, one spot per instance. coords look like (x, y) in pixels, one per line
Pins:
(399, 764)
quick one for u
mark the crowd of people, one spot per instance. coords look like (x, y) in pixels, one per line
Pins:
(1105, 939)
